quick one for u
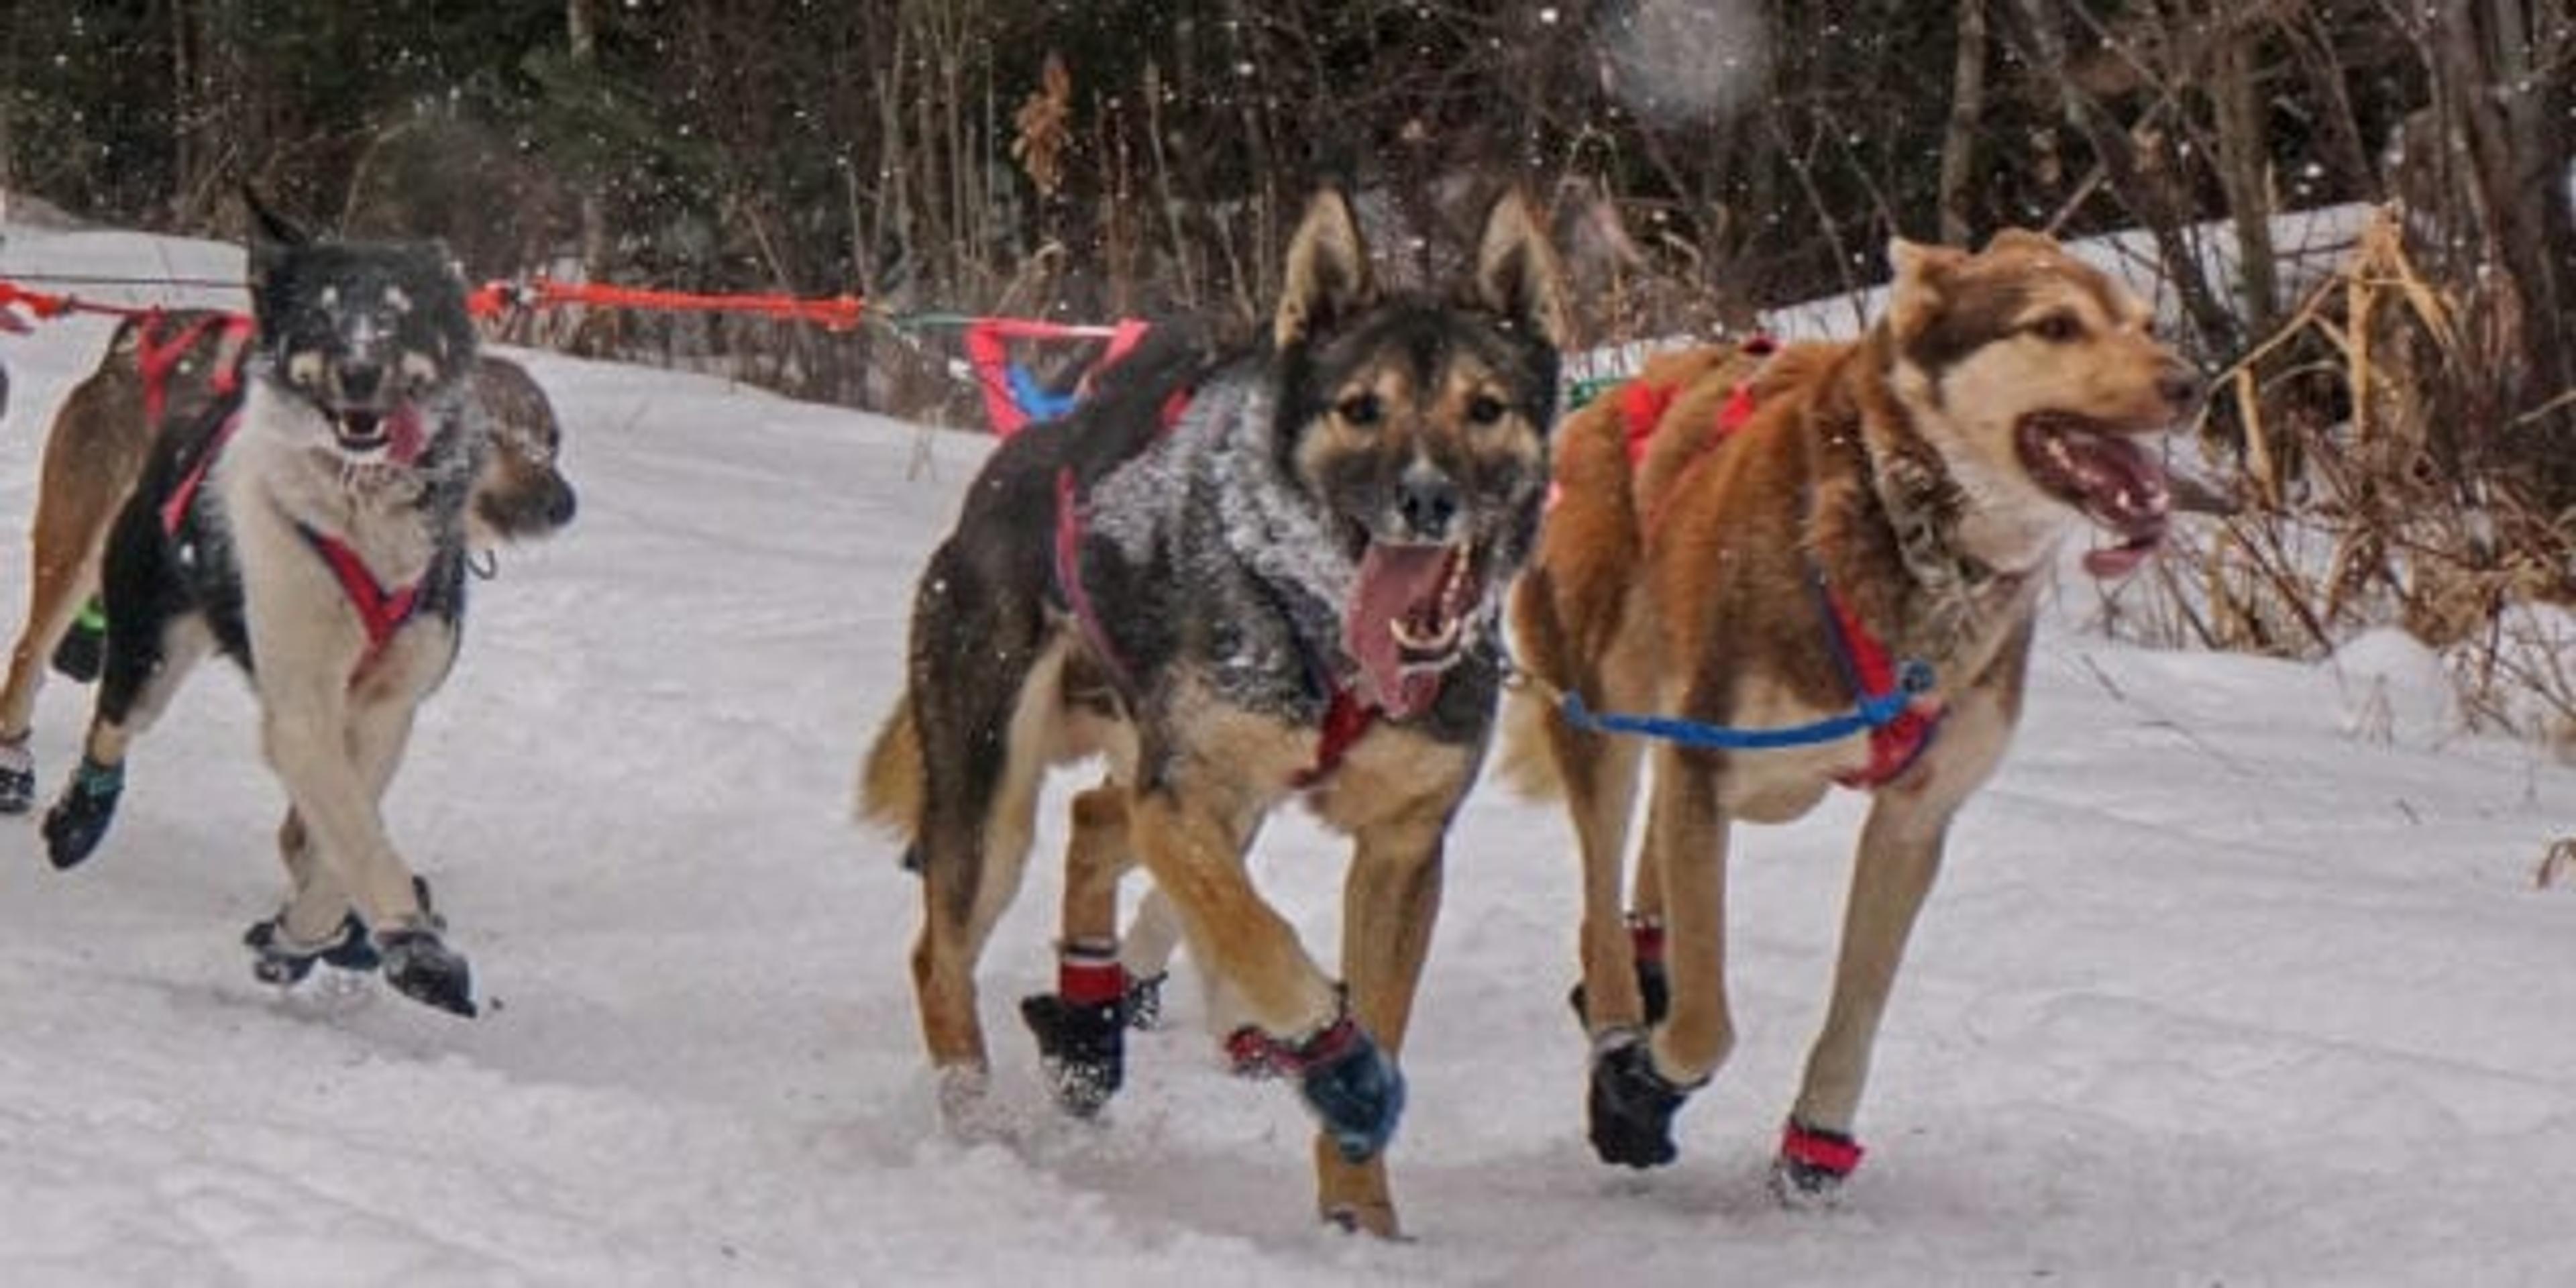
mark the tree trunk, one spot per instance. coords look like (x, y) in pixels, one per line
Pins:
(2155, 200)
(183, 100)
(583, 36)
(2494, 82)
(1959, 136)
(2244, 163)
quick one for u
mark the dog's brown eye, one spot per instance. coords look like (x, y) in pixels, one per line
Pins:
(1360, 411)
(2058, 328)
(1484, 409)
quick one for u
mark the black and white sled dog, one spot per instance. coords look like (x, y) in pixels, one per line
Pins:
(314, 530)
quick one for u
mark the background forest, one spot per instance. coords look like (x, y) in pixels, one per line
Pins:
(2397, 385)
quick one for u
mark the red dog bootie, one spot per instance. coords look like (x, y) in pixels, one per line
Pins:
(1813, 1163)
(1081, 1027)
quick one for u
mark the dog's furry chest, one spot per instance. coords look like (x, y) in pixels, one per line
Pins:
(1217, 564)
(271, 503)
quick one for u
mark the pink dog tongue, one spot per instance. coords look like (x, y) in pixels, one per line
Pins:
(2126, 492)
(1395, 582)
(403, 427)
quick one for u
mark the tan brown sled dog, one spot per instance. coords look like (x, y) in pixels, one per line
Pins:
(1821, 568)
(1264, 576)
(167, 369)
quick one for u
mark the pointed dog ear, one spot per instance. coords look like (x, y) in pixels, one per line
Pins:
(1518, 275)
(1916, 292)
(1328, 272)
(271, 236)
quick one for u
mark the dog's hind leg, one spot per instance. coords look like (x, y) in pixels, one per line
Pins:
(1145, 956)
(140, 677)
(1600, 778)
(1081, 1027)
(1638, 1086)
(979, 813)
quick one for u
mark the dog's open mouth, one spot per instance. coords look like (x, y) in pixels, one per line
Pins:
(395, 435)
(1407, 620)
(2104, 473)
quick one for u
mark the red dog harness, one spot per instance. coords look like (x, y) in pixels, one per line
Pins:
(1894, 746)
(381, 612)
(155, 361)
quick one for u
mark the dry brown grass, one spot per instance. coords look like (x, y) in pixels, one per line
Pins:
(2367, 504)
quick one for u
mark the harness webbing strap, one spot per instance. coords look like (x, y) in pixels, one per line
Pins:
(174, 508)
(1345, 719)
(1068, 580)
(154, 360)
(380, 611)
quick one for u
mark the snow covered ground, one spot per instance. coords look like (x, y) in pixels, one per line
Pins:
(2216, 988)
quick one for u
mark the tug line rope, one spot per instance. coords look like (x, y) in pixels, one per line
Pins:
(1013, 396)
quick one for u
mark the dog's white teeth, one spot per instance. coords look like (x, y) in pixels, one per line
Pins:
(1434, 642)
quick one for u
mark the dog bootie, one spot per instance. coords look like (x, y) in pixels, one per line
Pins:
(423, 968)
(84, 646)
(79, 819)
(1812, 1164)
(1343, 1075)
(276, 958)
(17, 778)
(1632, 1106)
(1081, 1029)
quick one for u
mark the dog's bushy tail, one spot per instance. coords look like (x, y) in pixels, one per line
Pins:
(890, 778)
(1527, 764)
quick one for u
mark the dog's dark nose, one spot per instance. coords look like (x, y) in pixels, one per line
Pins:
(560, 506)
(2181, 385)
(1427, 499)
(359, 381)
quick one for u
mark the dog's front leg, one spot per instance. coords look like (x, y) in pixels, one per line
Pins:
(1899, 856)
(318, 897)
(309, 741)
(1191, 829)
(1193, 847)
(1390, 901)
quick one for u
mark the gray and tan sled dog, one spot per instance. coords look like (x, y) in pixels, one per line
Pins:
(161, 373)
(1261, 576)
(316, 534)
(1783, 571)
